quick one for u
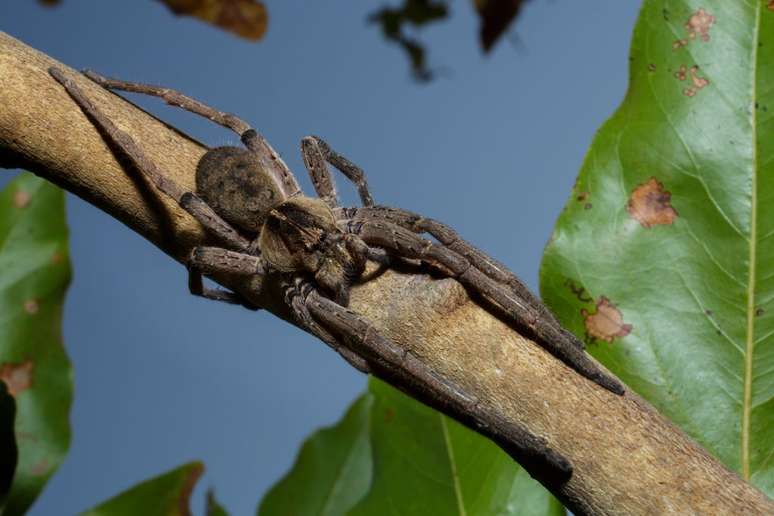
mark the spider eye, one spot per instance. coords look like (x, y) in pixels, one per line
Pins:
(253, 204)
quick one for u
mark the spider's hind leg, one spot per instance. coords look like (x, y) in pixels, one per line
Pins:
(250, 137)
(187, 200)
(399, 367)
(216, 260)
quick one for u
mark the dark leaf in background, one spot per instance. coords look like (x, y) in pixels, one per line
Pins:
(245, 18)
(166, 495)
(8, 451)
(496, 16)
(33, 364)
(415, 13)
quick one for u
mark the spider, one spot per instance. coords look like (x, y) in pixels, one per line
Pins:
(249, 199)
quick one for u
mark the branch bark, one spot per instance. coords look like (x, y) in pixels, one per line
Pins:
(627, 458)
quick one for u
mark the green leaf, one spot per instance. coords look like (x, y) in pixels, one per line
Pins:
(425, 463)
(9, 453)
(332, 471)
(165, 495)
(664, 255)
(33, 364)
(213, 506)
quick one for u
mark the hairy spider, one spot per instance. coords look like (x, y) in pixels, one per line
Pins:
(251, 201)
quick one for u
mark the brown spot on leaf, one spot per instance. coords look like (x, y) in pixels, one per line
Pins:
(699, 24)
(698, 82)
(21, 199)
(650, 204)
(388, 415)
(245, 18)
(606, 323)
(588, 206)
(679, 43)
(31, 306)
(57, 258)
(652, 67)
(759, 312)
(579, 291)
(582, 196)
(680, 74)
(771, 5)
(40, 468)
(17, 377)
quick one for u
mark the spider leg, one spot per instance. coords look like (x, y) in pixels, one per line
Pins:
(295, 294)
(314, 161)
(452, 240)
(400, 367)
(403, 242)
(187, 200)
(316, 152)
(250, 137)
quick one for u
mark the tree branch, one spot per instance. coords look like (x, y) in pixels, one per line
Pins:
(627, 458)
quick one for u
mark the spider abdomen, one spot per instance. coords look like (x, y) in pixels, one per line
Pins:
(233, 182)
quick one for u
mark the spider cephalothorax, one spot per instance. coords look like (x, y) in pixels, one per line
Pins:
(251, 201)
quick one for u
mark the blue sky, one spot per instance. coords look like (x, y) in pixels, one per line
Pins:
(491, 148)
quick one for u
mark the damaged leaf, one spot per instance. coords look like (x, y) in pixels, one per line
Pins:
(651, 205)
(679, 244)
(168, 494)
(245, 18)
(33, 365)
(606, 323)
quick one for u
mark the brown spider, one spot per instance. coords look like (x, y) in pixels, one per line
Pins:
(252, 202)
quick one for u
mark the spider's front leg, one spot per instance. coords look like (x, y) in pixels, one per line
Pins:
(316, 154)
(402, 242)
(449, 238)
(400, 368)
